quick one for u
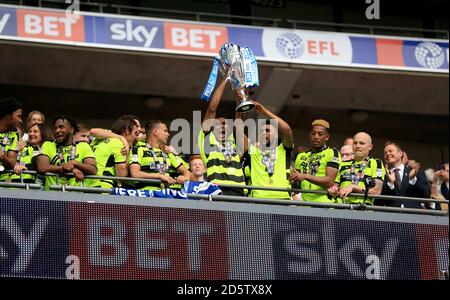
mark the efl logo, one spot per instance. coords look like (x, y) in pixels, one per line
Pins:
(306, 46)
(148, 242)
(49, 25)
(194, 37)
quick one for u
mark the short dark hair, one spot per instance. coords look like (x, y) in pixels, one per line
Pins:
(8, 106)
(69, 120)
(388, 143)
(150, 125)
(134, 117)
(123, 124)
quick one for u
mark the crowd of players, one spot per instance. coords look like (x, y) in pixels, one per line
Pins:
(130, 150)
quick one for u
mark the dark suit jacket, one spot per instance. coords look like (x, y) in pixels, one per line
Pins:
(444, 190)
(418, 190)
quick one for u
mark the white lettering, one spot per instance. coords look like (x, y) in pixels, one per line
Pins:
(67, 26)
(181, 140)
(26, 244)
(128, 32)
(32, 24)
(141, 193)
(196, 38)
(114, 241)
(145, 244)
(150, 36)
(194, 233)
(179, 37)
(73, 270)
(73, 11)
(47, 25)
(309, 260)
(3, 22)
(388, 256)
(301, 246)
(3, 253)
(119, 32)
(373, 270)
(373, 10)
(329, 241)
(212, 34)
(51, 26)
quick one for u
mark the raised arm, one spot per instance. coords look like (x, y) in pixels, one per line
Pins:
(100, 133)
(208, 120)
(286, 132)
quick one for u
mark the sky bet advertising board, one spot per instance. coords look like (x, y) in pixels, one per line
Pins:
(76, 240)
(205, 39)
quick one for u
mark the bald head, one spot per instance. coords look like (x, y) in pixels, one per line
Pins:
(362, 144)
(363, 135)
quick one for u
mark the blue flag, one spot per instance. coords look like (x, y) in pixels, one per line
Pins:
(190, 187)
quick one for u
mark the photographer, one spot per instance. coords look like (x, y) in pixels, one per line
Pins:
(361, 175)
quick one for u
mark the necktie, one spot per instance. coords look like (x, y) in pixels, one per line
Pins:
(398, 180)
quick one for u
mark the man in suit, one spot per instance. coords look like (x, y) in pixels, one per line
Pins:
(404, 179)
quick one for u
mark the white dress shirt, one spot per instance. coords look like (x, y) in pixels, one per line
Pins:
(401, 170)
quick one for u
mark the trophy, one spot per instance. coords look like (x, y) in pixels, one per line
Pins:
(232, 56)
(242, 73)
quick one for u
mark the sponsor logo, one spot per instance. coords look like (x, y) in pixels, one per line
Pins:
(379, 173)
(429, 55)
(49, 25)
(306, 46)
(194, 37)
(133, 32)
(311, 249)
(149, 243)
(25, 243)
(3, 21)
(290, 45)
(32, 241)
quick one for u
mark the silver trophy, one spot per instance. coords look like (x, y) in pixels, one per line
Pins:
(231, 56)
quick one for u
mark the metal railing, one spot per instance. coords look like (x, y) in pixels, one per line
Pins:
(58, 3)
(262, 21)
(371, 29)
(81, 188)
(274, 201)
(197, 16)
